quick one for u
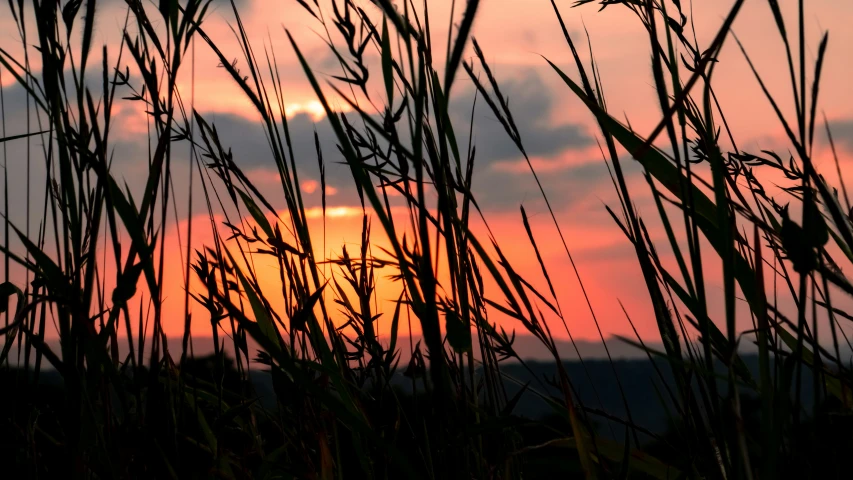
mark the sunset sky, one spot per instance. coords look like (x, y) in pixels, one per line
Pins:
(557, 130)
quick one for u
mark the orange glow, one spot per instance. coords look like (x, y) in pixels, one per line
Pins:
(343, 229)
(513, 34)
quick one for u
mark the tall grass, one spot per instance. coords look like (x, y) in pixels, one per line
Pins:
(749, 231)
(132, 404)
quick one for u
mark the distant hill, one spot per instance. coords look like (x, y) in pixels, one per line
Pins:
(594, 380)
(595, 387)
(594, 383)
(527, 347)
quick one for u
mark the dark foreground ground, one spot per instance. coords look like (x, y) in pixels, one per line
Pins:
(598, 385)
(642, 386)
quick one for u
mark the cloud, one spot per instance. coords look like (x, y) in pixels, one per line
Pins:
(497, 187)
(251, 151)
(842, 133)
(567, 169)
(532, 103)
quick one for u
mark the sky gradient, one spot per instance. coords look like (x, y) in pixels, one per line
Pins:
(559, 133)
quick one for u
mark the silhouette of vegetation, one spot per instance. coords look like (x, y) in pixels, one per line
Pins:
(119, 399)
